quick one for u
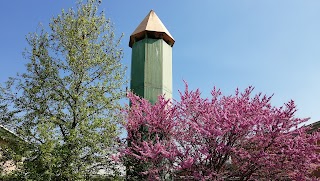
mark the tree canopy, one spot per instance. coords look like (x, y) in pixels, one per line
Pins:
(236, 137)
(66, 104)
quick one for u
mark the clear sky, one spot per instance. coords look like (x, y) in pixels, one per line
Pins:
(273, 45)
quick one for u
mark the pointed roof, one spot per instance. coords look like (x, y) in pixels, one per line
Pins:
(153, 26)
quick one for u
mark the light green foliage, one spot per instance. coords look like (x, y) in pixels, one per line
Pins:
(67, 102)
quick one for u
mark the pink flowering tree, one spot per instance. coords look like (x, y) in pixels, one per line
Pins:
(238, 137)
(151, 146)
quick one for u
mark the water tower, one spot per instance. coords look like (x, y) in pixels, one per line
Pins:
(151, 65)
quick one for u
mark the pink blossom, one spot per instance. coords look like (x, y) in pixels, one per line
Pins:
(236, 136)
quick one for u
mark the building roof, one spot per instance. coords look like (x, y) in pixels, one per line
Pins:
(8, 135)
(314, 126)
(152, 26)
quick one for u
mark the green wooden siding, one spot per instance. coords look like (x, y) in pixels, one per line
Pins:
(151, 69)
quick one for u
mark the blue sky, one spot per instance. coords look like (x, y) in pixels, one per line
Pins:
(273, 45)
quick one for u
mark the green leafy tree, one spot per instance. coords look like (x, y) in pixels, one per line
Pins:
(66, 104)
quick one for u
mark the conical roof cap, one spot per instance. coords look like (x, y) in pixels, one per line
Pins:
(153, 27)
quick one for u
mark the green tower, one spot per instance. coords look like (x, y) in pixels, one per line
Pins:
(151, 65)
